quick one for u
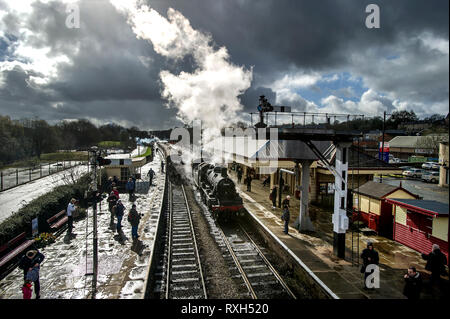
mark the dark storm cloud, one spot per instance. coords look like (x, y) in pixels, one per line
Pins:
(308, 34)
(113, 76)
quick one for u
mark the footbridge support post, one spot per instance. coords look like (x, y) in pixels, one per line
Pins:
(340, 219)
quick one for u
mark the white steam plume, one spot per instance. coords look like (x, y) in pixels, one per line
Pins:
(210, 93)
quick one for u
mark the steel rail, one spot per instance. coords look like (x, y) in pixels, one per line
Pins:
(269, 265)
(195, 243)
(169, 251)
(238, 265)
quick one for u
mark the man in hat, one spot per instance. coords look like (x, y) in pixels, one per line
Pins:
(369, 257)
(32, 260)
(436, 262)
(70, 210)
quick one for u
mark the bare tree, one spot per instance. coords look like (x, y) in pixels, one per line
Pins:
(431, 142)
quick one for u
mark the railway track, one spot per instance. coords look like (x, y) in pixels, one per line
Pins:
(247, 261)
(260, 277)
(182, 267)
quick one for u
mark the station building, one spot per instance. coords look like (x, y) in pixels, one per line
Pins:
(264, 158)
(123, 166)
(370, 205)
(420, 223)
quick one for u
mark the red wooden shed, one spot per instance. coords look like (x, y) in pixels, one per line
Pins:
(420, 223)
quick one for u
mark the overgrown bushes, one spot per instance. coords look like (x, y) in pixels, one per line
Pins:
(42, 207)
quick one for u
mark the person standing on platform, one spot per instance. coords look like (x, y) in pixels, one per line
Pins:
(112, 201)
(239, 174)
(248, 181)
(369, 257)
(151, 174)
(27, 290)
(116, 192)
(436, 262)
(70, 210)
(273, 197)
(120, 210)
(27, 263)
(130, 188)
(413, 284)
(108, 185)
(286, 214)
(134, 218)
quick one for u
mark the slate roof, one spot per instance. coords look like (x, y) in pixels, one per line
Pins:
(375, 189)
(427, 205)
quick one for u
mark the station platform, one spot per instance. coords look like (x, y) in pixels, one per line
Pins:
(315, 249)
(122, 271)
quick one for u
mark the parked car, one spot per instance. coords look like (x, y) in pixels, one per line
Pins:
(432, 177)
(413, 172)
(394, 160)
(427, 165)
(435, 166)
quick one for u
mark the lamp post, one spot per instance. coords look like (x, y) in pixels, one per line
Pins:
(94, 150)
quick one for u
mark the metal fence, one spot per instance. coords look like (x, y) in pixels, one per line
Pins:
(10, 178)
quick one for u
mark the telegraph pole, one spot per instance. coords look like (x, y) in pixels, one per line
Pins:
(94, 224)
(95, 239)
(382, 144)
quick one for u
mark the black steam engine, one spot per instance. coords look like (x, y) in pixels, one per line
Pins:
(217, 190)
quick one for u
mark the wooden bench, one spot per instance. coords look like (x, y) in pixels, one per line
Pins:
(57, 221)
(14, 248)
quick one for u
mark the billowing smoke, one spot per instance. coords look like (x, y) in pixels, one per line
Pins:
(210, 93)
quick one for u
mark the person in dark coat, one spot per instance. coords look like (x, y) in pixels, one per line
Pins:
(286, 202)
(108, 185)
(115, 180)
(248, 181)
(130, 188)
(162, 167)
(273, 196)
(281, 184)
(151, 174)
(436, 262)
(30, 260)
(239, 174)
(286, 214)
(266, 181)
(112, 201)
(120, 210)
(134, 218)
(413, 284)
(370, 257)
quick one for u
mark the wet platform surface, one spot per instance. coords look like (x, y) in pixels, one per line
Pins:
(315, 249)
(122, 269)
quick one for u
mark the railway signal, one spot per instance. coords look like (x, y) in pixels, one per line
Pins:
(264, 107)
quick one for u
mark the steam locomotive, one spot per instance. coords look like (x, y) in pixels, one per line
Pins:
(217, 190)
